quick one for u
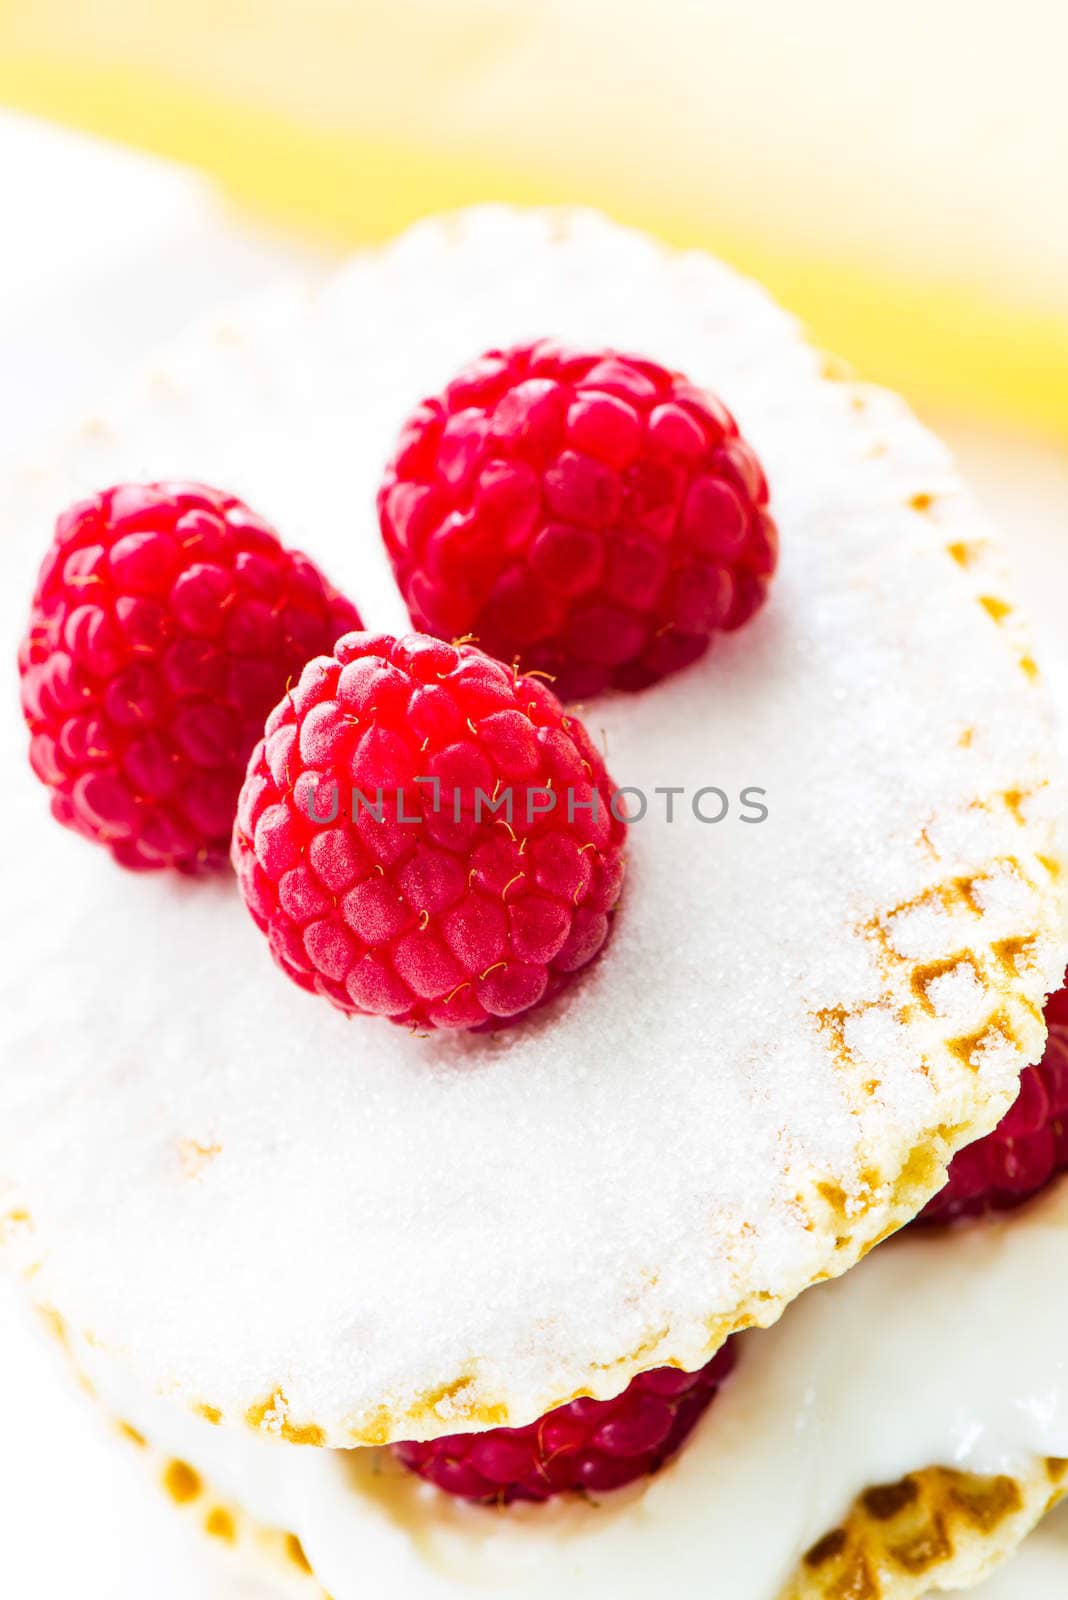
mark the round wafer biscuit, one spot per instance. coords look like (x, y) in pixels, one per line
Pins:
(337, 1232)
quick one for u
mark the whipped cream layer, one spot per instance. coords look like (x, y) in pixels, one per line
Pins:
(942, 1348)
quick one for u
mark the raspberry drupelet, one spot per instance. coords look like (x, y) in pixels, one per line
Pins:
(1027, 1149)
(586, 1446)
(425, 835)
(592, 516)
(166, 621)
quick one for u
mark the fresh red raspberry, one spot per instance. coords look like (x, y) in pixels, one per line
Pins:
(166, 622)
(369, 852)
(587, 1445)
(1026, 1150)
(1057, 1006)
(592, 516)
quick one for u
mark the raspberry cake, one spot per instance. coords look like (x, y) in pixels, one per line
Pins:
(738, 1031)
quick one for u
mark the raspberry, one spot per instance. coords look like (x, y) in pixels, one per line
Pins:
(587, 1445)
(369, 851)
(1026, 1150)
(1057, 1006)
(592, 516)
(166, 622)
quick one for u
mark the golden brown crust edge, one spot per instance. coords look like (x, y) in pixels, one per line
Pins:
(932, 1531)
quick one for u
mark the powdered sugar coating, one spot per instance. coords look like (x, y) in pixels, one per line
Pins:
(347, 1234)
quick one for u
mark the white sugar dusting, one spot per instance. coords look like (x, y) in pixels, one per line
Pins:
(384, 1218)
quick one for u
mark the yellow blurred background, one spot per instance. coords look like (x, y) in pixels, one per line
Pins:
(896, 174)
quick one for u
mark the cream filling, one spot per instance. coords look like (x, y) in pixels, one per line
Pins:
(944, 1349)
